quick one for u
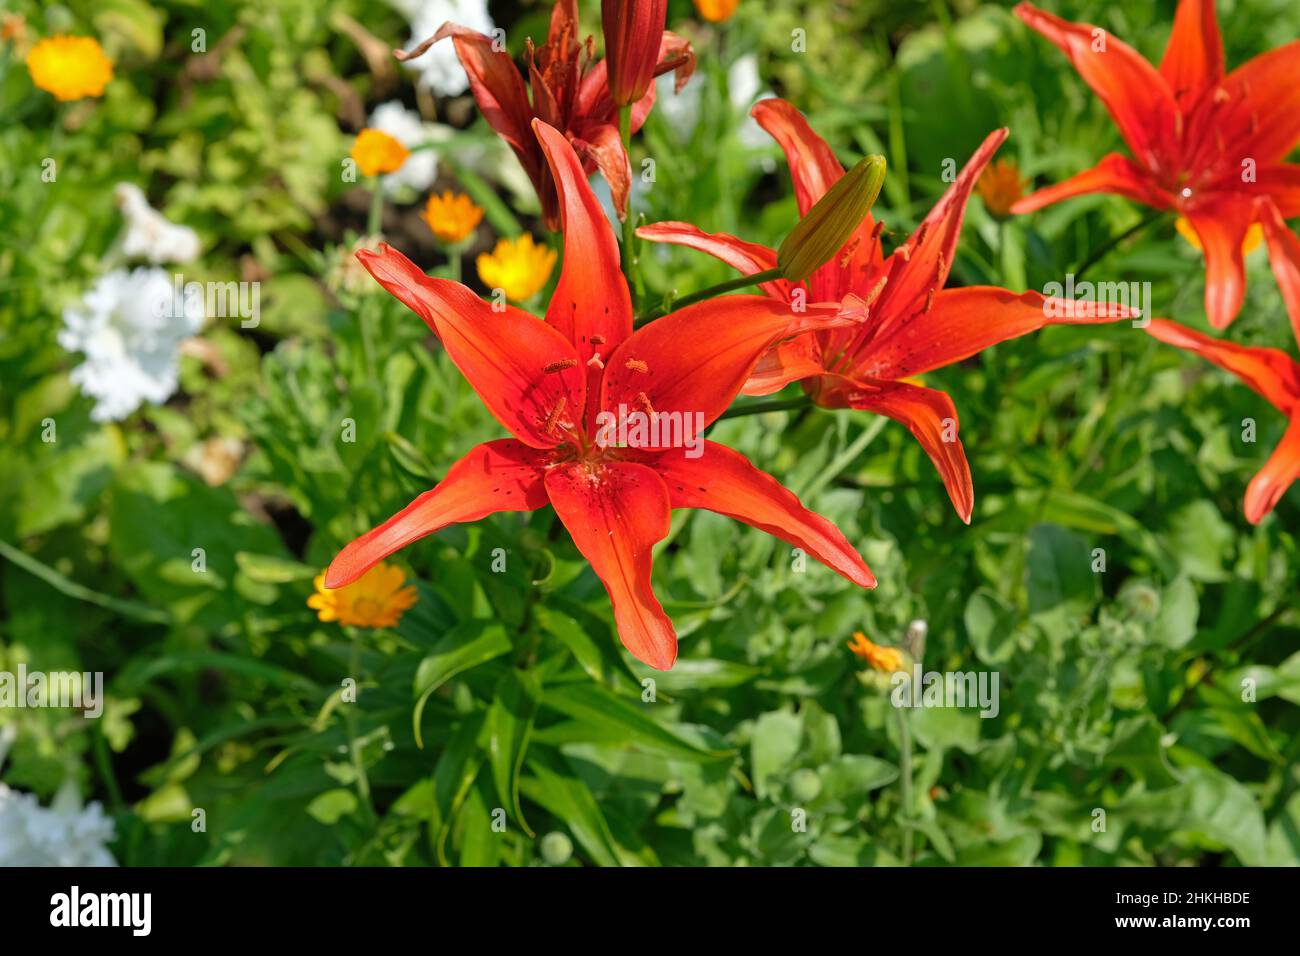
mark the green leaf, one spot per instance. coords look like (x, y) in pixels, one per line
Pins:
(465, 645)
(594, 705)
(332, 805)
(773, 746)
(567, 798)
(1061, 584)
(509, 722)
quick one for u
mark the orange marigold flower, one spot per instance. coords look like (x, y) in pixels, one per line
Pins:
(376, 152)
(453, 217)
(715, 11)
(888, 659)
(1000, 186)
(376, 599)
(519, 267)
(71, 68)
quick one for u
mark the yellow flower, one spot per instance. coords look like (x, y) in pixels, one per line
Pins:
(1000, 186)
(452, 217)
(715, 11)
(376, 152)
(70, 67)
(1254, 236)
(888, 659)
(519, 267)
(376, 599)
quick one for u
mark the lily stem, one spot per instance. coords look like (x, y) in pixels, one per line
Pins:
(905, 781)
(627, 254)
(362, 781)
(721, 288)
(376, 219)
(1100, 251)
(758, 408)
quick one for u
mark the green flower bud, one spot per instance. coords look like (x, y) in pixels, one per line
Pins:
(556, 848)
(830, 223)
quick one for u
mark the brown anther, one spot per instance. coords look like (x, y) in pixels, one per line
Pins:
(560, 366)
(849, 249)
(597, 340)
(553, 418)
(942, 270)
(644, 401)
(929, 300)
(636, 365)
(878, 288)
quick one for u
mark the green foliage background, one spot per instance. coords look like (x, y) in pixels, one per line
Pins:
(1120, 690)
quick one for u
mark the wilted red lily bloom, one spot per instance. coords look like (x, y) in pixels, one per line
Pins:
(555, 384)
(570, 91)
(913, 324)
(1271, 373)
(1204, 145)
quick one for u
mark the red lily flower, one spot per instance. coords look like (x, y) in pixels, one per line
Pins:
(633, 32)
(1269, 372)
(569, 92)
(548, 383)
(914, 325)
(1204, 144)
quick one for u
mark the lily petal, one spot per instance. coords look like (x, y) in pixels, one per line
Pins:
(785, 362)
(1193, 61)
(591, 300)
(813, 167)
(725, 481)
(747, 258)
(922, 263)
(497, 86)
(813, 170)
(1115, 174)
(697, 359)
(1260, 116)
(1281, 182)
(928, 414)
(1133, 91)
(603, 146)
(503, 475)
(1270, 373)
(1284, 257)
(526, 372)
(965, 321)
(1277, 475)
(616, 512)
(1221, 223)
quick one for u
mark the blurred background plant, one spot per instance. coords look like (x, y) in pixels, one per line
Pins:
(174, 548)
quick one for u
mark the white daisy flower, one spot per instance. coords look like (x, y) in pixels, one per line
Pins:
(129, 326)
(439, 68)
(421, 167)
(151, 235)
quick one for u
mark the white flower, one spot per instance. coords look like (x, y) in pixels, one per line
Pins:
(63, 834)
(439, 68)
(129, 326)
(151, 235)
(421, 167)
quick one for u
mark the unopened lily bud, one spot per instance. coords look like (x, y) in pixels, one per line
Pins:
(633, 32)
(830, 223)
